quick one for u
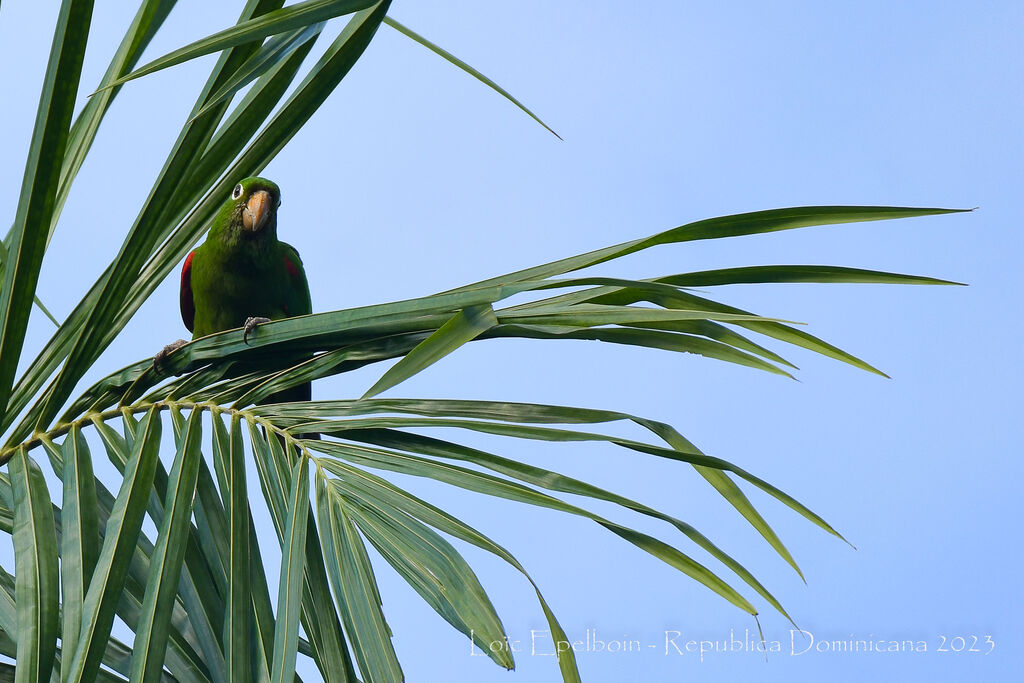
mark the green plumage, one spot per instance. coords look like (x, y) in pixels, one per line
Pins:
(243, 271)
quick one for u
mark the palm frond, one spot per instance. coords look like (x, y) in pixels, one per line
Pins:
(195, 596)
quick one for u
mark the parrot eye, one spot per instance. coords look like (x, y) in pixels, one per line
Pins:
(237, 192)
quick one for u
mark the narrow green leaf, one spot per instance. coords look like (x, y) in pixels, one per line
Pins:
(295, 16)
(241, 124)
(150, 644)
(253, 388)
(695, 457)
(507, 411)
(521, 431)
(588, 315)
(210, 560)
(668, 341)
(35, 568)
(732, 493)
(119, 545)
(339, 428)
(274, 52)
(675, 298)
(463, 327)
(355, 589)
(761, 274)
(682, 562)
(211, 522)
(129, 427)
(434, 569)
(264, 624)
(404, 30)
(45, 311)
(39, 185)
(773, 329)
(213, 525)
(720, 333)
(718, 477)
(221, 467)
(35, 299)
(289, 594)
(270, 471)
(6, 521)
(8, 609)
(231, 457)
(80, 536)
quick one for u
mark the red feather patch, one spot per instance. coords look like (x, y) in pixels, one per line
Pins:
(292, 270)
(188, 306)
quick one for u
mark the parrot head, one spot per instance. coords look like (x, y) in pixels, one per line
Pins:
(251, 211)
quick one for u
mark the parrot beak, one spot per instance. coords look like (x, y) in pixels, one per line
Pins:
(256, 211)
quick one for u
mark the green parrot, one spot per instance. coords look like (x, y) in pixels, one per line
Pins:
(242, 275)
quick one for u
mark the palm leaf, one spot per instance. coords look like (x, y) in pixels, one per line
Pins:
(80, 535)
(286, 637)
(464, 326)
(35, 558)
(447, 56)
(229, 453)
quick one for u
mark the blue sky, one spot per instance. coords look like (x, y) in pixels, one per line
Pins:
(414, 178)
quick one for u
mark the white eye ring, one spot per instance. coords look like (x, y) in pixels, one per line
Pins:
(237, 192)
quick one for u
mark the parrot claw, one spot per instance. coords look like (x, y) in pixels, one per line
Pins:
(161, 356)
(250, 325)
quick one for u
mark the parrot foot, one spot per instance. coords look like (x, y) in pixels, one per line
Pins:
(161, 356)
(250, 325)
